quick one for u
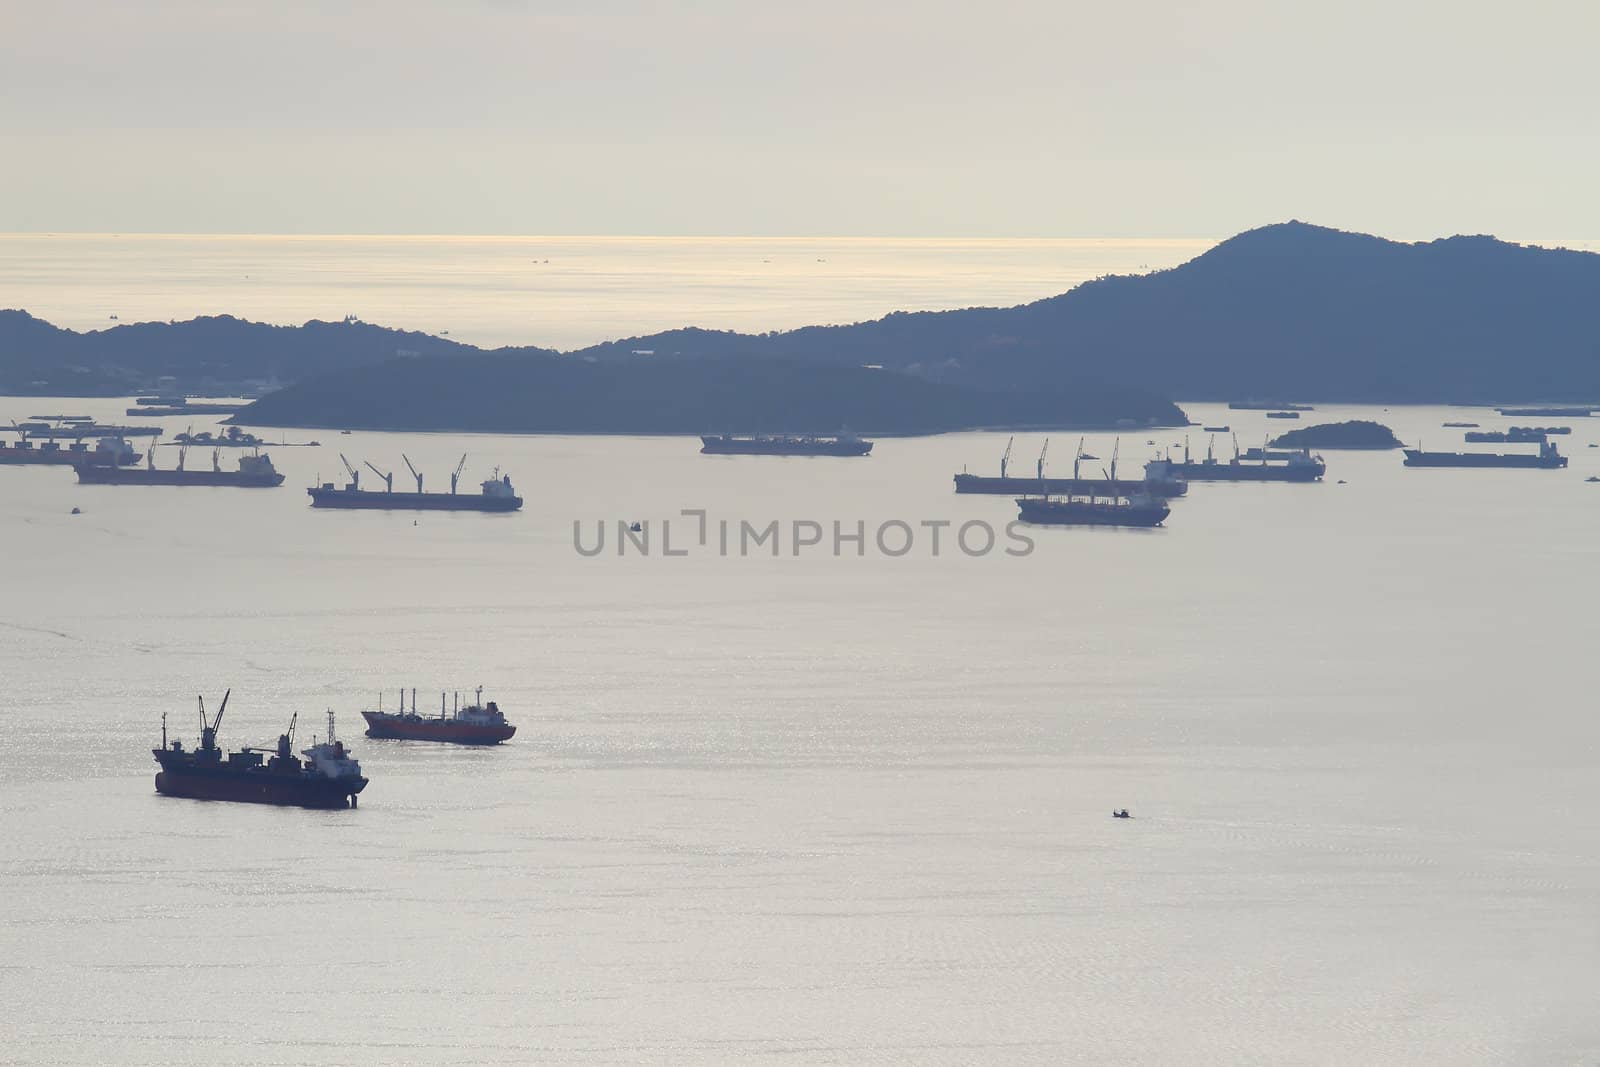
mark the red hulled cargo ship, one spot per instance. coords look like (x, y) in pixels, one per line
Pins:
(476, 724)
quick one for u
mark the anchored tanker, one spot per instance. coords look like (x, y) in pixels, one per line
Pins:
(1099, 506)
(476, 724)
(107, 452)
(1134, 511)
(1547, 458)
(496, 493)
(255, 472)
(847, 444)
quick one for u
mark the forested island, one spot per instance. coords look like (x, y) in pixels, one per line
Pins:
(553, 394)
(1355, 434)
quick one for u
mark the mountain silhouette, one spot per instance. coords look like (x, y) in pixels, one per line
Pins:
(1289, 311)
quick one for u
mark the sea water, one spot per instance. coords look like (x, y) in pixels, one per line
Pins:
(842, 806)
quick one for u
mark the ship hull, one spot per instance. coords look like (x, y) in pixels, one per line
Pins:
(1415, 458)
(414, 728)
(259, 787)
(1090, 513)
(1248, 472)
(975, 483)
(362, 501)
(722, 446)
(97, 475)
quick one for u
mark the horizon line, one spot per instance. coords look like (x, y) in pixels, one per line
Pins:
(600, 236)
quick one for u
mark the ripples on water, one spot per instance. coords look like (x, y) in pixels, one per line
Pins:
(812, 809)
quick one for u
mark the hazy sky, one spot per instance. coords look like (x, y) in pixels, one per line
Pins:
(1008, 118)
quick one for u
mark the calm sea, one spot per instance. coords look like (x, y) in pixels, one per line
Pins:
(815, 808)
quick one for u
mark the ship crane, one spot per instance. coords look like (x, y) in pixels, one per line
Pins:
(1116, 446)
(1042, 452)
(285, 741)
(414, 473)
(208, 732)
(1077, 459)
(454, 477)
(355, 475)
(1005, 459)
(388, 479)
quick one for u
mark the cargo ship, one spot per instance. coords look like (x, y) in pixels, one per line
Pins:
(476, 724)
(1160, 479)
(496, 493)
(1524, 435)
(255, 472)
(326, 777)
(1143, 511)
(1547, 458)
(1547, 413)
(1267, 405)
(783, 445)
(1298, 465)
(107, 452)
(185, 407)
(41, 426)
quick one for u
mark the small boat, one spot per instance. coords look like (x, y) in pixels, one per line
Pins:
(1121, 813)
